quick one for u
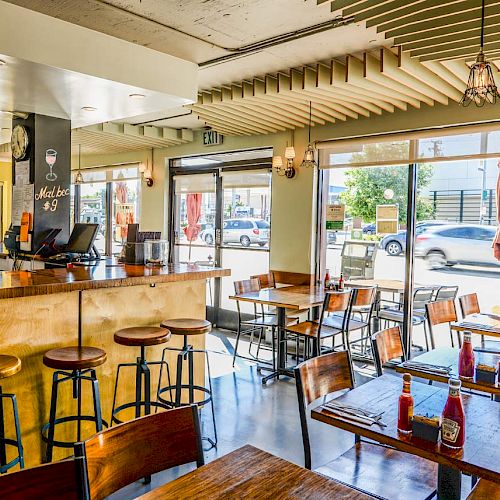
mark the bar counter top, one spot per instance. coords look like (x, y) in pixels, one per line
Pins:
(105, 274)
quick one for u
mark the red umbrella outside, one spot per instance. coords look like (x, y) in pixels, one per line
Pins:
(193, 228)
(496, 241)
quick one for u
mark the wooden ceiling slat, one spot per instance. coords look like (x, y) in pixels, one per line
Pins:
(455, 45)
(454, 53)
(429, 27)
(369, 7)
(398, 9)
(437, 14)
(342, 4)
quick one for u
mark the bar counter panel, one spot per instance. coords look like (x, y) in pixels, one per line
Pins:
(111, 298)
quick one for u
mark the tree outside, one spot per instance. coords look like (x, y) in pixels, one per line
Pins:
(366, 186)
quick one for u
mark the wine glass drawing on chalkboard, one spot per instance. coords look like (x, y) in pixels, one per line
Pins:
(50, 159)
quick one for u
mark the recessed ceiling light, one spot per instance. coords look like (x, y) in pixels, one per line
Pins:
(137, 96)
(89, 108)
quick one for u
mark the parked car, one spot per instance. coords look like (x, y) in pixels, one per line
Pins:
(457, 244)
(243, 231)
(395, 243)
(370, 229)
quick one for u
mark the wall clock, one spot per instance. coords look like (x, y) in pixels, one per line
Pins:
(19, 142)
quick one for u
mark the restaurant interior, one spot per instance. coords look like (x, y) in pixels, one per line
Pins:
(250, 249)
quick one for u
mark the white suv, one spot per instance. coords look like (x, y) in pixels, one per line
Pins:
(243, 231)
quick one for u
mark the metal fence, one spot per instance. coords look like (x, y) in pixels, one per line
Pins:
(465, 206)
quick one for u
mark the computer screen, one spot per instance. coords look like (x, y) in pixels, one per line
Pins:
(82, 238)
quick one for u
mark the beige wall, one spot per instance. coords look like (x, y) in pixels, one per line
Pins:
(293, 201)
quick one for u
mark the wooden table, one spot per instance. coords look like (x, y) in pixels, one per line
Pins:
(484, 324)
(480, 455)
(288, 297)
(252, 473)
(448, 356)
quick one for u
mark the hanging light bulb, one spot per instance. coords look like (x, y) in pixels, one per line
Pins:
(481, 87)
(309, 160)
(79, 176)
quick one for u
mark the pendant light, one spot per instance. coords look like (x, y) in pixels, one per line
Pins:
(79, 176)
(481, 87)
(309, 160)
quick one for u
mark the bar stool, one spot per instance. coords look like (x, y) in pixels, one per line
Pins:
(75, 364)
(9, 365)
(187, 327)
(140, 336)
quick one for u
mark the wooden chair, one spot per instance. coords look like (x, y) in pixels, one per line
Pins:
(439, 313)
(363, 303)
(469, 304)
(367, 466)
(54, 481)
(128, 452)
(387, 345)
(485, 490)
(314, 332)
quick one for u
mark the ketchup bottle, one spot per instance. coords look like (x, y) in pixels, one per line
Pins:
(405, 409)
(453, 417)
(327, 278)
(466, 358)
(341, 282)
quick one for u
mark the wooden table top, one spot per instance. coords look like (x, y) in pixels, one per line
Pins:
(448, 356)
(480, 455)
(252, 473)
(484, 324)
(291, 297)
(102, 275)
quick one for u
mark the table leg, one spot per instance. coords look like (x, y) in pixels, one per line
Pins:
(280, 352)
(449, 483)
(375, 318)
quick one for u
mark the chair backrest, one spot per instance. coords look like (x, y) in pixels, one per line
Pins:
(365, 296)
(246, 286)
(55, 481)
(421, 297)
(337, 301)
(288, 278)
(440, 312)
(265, 280)
(446, 292)
(469, 304)
(387, 345)
(319, 377)
(123, 454)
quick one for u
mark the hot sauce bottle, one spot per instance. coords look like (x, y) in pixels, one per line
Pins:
(453, 417)
(341, 282)
(405, 410)
(327, 278)
(466, 358)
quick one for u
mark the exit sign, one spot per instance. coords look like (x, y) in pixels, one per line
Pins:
(212, 138)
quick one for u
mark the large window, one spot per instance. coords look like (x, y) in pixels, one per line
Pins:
(454, 206)
(109, 197)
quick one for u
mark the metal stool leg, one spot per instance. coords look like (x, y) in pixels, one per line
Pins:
(3, 452)
(52, 418)
(213, 443)
(97, 401)
(20, 450)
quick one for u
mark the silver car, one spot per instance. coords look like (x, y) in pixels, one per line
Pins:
(243, 231)
(457, 244)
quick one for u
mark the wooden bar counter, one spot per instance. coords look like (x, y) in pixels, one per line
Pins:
(41, 310)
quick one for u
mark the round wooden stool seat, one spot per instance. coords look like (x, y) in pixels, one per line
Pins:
(186, 326)
(9, 365)
(74, 358)
(142, 336)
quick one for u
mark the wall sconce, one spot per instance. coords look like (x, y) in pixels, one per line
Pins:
(289, 170)
(146, 171)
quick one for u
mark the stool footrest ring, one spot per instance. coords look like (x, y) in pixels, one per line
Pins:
(62, 420)
(14, 461)
(185, 387)
(138, 404)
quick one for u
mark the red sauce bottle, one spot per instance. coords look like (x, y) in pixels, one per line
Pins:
(466, 358)
(453, 417)
(341, 282)
(327, 278)
(405, 409)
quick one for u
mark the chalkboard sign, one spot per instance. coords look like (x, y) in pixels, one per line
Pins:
(50, 172)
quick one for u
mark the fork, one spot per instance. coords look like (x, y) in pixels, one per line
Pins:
(353, 410)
